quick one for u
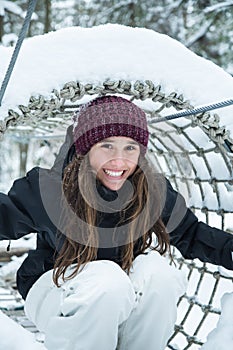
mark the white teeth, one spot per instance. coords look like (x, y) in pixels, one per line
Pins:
(113, 173)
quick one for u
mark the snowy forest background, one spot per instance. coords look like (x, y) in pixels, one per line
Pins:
(204, 26)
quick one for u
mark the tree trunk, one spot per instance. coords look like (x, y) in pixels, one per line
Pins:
(132, 14)
(23, 149)
(47, 26)
(1, 27)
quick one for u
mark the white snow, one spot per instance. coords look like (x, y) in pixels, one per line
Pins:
(15, 337)
(218, 7)
(221, 338)
(113, 52)
(9, 39)
(11, 7)
(8, 271)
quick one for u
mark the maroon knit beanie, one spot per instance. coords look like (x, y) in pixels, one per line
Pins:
(108, 116)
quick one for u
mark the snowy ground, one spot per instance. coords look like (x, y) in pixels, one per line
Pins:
(222, 336)
(15, 337)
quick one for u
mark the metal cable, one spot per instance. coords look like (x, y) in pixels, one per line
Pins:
(22, 35)
(192, 111)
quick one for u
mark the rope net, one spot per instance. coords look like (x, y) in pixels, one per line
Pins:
(189, 151)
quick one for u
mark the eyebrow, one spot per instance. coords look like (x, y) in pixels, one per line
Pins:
(133, 142)
(112, 141)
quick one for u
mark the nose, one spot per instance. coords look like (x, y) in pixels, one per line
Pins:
(117, 158)
(117, 162)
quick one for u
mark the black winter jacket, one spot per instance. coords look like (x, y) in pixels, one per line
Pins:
(25, 210)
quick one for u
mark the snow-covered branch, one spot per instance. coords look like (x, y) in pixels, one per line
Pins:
(11, 7)
(218, 7)
(199, 34)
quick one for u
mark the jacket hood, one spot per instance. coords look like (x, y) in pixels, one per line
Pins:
(65, 154)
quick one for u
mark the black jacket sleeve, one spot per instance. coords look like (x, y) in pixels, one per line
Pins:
(195, 239)
(15, 217)
(22, 211)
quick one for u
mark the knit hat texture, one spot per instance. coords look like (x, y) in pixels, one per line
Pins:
(108, 116)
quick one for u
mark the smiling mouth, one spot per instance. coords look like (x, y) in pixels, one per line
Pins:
(114, 173)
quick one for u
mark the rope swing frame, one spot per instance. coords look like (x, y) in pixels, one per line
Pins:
(31, 7)
(22, 35)
(40, 109)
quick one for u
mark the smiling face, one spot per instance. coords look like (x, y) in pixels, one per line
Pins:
(114, 159)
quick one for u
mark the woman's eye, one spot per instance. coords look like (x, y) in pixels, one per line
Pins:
(130, 148)
(106, 145)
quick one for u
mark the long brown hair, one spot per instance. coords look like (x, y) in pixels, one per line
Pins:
(143, 217)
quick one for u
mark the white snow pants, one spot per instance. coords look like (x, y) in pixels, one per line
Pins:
(102, 308)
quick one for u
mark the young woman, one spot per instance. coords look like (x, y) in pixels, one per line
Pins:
(105, 219)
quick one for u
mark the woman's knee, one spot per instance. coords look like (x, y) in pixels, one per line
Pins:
(100, 284)
(103, 276)
(154, 273)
